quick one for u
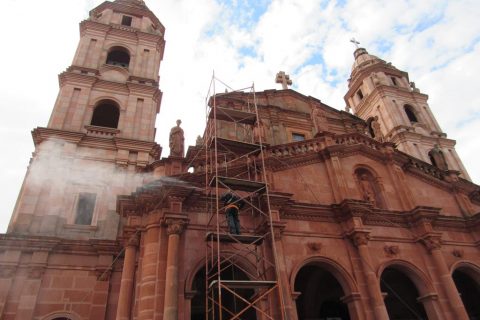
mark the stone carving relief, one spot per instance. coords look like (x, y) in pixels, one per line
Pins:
(175, 226)
(314, 246)
(391, 251)
(360, 238)
(458, 253)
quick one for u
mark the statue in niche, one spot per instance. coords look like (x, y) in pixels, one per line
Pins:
(319, 119)
(438, 158)
(176, 140)
(368, 190)
(376, 129)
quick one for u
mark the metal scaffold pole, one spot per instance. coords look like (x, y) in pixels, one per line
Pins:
(242, 277)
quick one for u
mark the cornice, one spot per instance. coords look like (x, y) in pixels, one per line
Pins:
(122, 31)
(135, 11)
(58, 245)
(40, 134)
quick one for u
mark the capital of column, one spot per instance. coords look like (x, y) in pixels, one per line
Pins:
(432, 242)
(175, 226)
(133, 241)
(359, 237)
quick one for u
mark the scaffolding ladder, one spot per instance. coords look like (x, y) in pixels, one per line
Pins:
(241, 273)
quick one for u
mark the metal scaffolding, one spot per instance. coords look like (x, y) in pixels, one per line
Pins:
(242, 277)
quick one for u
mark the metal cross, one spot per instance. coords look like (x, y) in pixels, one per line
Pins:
(284, 79)
(355, 42)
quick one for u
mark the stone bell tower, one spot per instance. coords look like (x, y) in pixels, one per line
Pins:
(101, 132)
(397, 111)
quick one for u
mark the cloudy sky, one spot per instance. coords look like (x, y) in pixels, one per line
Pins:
(245, 42)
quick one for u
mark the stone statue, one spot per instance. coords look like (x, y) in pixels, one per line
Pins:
(319, 120)
(437, 158)
(414, 87)
(367, 189)
(176, 140)
(377, 132)
(199, 141)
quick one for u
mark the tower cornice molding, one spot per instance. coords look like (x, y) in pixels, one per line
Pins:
(382, 92)
(362, 73)
(41, 134)
(121, 31)
(135, 11)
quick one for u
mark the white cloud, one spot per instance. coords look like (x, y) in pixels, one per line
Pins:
(435, 41)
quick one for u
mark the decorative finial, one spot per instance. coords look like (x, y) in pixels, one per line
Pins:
(355, 42)
(284, 79)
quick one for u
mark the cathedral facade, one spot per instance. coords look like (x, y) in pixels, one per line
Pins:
(365, 214)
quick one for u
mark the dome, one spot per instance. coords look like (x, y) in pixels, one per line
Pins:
(364, 59)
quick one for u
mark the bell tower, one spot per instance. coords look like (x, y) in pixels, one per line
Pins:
(100, 136)
(397, 111)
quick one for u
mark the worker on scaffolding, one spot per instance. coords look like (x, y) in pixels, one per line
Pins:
(233, 205)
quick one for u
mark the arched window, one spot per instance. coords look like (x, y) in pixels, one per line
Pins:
(402, 296)
(106, 114)
(231, 304)
(118, 56)
(410, 113)
(320, 295)
(468, 285)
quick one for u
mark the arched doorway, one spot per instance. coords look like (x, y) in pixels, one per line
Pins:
(469, 289)
(320, 295)
(231, 304)
(401, 296)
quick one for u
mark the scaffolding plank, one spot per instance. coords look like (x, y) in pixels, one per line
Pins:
(239, 184)
(243, 284)
(233, 115)
(235, 238)
(235, 146)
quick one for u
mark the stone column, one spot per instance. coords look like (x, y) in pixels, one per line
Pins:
(353, 302)
(430, 303)
(360, 240)
(126, 285)
(284, 285)
(146, 299)
(433, 244)
(174, 228)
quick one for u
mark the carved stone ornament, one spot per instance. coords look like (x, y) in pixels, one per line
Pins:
(133, 241)
(360, 238)
(175, 226)
(391, 251)
(458, 253)
(314, 246)
(432, 243)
